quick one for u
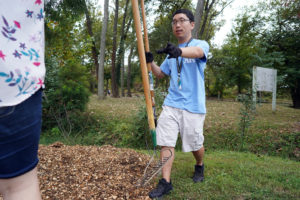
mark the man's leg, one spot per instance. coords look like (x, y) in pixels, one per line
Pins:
(166, 134)
(199, 155)
(166, 170)
(23, 187)
(164, 185)
(199, 167)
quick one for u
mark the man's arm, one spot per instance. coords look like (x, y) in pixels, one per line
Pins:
(187, 52)
(156, 70)
(192, 52)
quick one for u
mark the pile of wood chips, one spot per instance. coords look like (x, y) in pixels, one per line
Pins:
(91, 172)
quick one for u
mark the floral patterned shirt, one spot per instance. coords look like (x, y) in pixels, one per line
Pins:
(22, 66)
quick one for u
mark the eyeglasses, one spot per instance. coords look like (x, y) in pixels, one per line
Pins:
(180, 21)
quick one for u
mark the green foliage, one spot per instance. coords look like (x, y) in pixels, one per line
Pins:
(142, 136)
(247, 112)
(67, 87)
(274, 143)
(74, 86)
(217, 75)
(134, 131)
(239, 50)
(66, 95)
(283, 38)
(123, 122)
(265, 35)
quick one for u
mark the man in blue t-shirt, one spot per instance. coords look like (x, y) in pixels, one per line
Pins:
(184, 107)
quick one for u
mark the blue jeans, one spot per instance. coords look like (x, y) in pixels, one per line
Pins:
(20, 128)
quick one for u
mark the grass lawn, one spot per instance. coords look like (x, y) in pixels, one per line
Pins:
(220, 114)
(229, 174)
(251, 174)
(235, 175)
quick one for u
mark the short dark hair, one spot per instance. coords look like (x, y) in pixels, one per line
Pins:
(187, 12)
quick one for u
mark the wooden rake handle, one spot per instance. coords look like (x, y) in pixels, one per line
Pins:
(147, 49)
(144, 71)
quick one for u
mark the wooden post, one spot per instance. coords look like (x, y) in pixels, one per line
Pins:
(147, 49)
(274, 90)
(254, 90)
(143, 65)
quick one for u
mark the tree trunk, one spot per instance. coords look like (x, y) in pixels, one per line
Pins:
(295, 93)
(208, 34)
(89, 24)
(208, 16)
(101, 94)
(107, 88)
(208, 8)
(120, 60)
(198, 17)
(129, 72)
(114, 82)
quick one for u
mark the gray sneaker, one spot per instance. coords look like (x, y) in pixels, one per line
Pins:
(198, 174)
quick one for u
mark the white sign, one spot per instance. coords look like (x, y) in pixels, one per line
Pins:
(265, 79)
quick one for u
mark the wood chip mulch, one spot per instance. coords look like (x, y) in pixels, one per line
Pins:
(91, 172)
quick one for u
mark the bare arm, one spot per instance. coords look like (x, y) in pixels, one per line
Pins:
(187, 52)
(156, 70)
(192, 52)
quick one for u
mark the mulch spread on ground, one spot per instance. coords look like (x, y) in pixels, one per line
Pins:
(91, 172)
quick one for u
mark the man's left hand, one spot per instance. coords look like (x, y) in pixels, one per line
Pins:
(172, 50)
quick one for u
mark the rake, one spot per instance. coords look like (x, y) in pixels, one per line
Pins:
(153, 168)
(154, 165)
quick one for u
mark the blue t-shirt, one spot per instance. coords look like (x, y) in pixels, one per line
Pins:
(191, 96)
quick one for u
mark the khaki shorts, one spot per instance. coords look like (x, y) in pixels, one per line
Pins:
(190, 125)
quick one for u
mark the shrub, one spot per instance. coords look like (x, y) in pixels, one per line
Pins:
(66, 95)
(246, 116)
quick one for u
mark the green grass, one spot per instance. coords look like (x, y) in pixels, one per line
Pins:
(118, 121)
(236, 175)
(115, 108)
(228, 174)
(272, 133)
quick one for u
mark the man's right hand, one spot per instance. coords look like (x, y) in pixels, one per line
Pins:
(149, 57)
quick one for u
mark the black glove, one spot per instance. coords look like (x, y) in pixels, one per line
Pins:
(172, 50)
(149, 57)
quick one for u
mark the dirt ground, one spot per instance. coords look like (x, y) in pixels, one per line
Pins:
(91, 172)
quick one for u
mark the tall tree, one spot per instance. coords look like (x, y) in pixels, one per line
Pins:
(89, 24)
(241, 46)
(102, 52)
(209, 10)
(114, 81)
(198, 17)
(121, 50)
(129, 71)
(217, 73)
(283, 37)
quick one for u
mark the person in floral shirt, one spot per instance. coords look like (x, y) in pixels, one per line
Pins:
(22, 73)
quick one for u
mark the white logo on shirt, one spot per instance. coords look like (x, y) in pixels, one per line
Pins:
(189, 60)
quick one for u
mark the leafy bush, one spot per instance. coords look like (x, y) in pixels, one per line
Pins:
(141, 135)
(66, 96)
